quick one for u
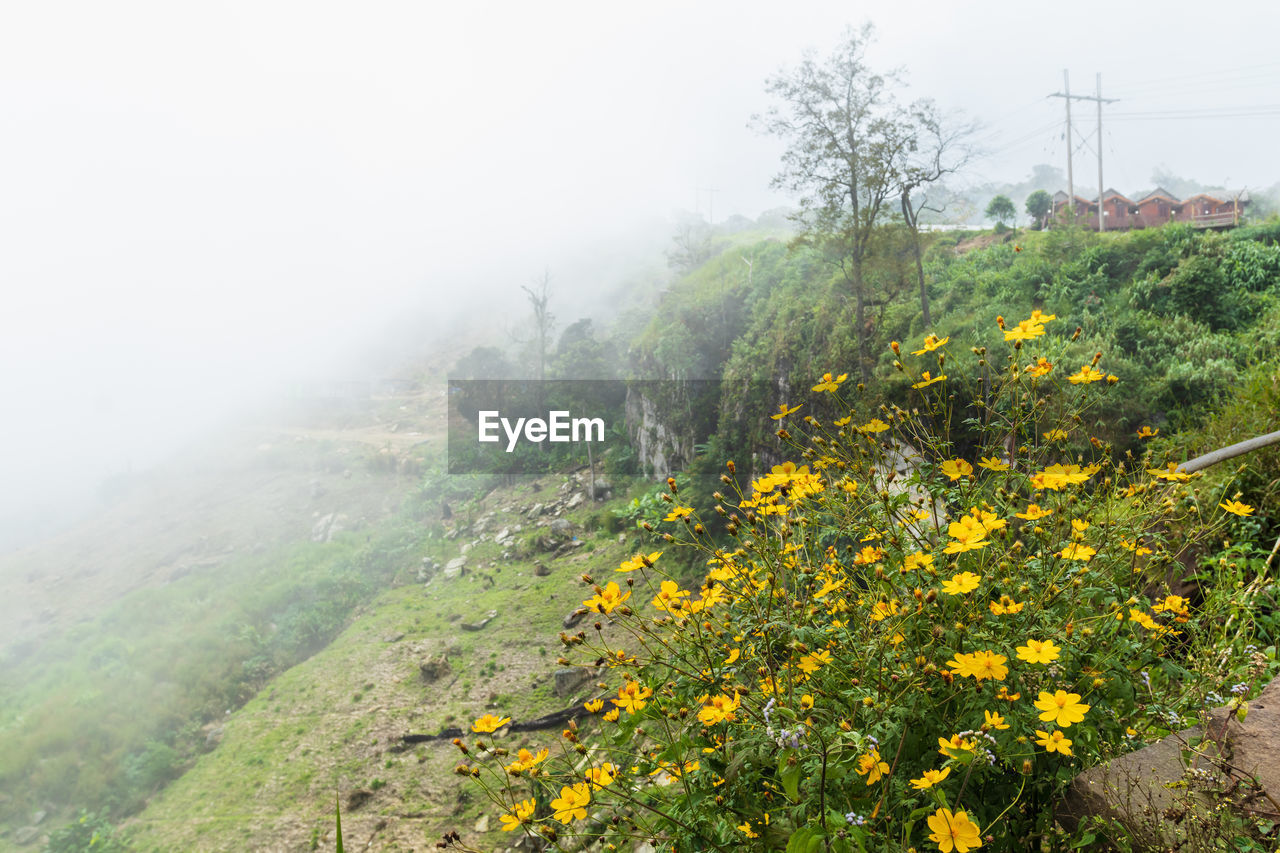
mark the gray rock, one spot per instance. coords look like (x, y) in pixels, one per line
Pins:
(569, 680)
(562, 527)
(576, 501)
(482, 825)
(434, 668)
(540, 569)
(455, 568)
(38, 817)
(575, 617)
(479, 626)
(25, 835)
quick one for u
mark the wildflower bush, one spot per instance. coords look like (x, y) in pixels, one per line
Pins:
(896, 646)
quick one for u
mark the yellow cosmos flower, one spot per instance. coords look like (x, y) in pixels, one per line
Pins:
(669, 598)
(931, 343)
(1143, 619)
(1054, 742)
(606, 600)
(639, 561)
(1056, 476)
(734, 654)
(1006, 606)
(678, 513)
(1170, 472)
(1145, 431)
(489, 723)
(783, 411)
(956, 468)
(611, 716)
(872, 426)
(522, 813)
(631, 697)
(994, 720)
(1175, 604)
(961, 584)
(718, 709)
(1085, 375)
(1024, 331)
(955, 746)
(979, 665)
(930, 778)
(883, 610)
(869, 555)
(927, 379)
(993, 463)
(526, 760)
(1237, 508)
(601, 776)
(1037, 651)
(1037, 316)
(830, 383)
(918, 560)
(1040, 368)
(954, 831)
(594, 706)
(1076, 551)
(1033, 512)
(1061, 708)
(871, 766)
(745, 827)
(811, 663)
(969, 534)
(572, 803)
(1140, 550)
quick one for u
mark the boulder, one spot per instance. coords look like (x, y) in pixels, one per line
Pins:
(434, 668)
(569, 680)
(455, 568)
(575, 617)
(562, 527)
(479, 625)
(540, 569)
(1182, 775)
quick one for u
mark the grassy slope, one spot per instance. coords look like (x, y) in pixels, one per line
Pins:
(332, 724)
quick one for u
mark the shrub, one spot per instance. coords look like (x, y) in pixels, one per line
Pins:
(896, 646)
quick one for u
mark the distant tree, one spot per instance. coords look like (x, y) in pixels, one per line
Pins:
(940, 148)
(845, 133)
(692, 245)
(483, 363)
(543, 320)
(1039, 203)
(1001, 209)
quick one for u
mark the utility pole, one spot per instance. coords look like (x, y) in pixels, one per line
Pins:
(1066, 95)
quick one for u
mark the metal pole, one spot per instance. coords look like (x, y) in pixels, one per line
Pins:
(1071, 185)
(1101, 218)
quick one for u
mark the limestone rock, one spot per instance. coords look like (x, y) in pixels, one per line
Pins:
(569, 680)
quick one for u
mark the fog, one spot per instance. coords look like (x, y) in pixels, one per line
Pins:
(202, 201)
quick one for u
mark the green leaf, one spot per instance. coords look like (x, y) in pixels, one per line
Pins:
(337, 817)
(789, 774)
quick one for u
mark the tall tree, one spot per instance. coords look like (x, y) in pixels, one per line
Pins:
(1000, 209)
(845, 132)
(941, 148)
(1039, 203)
(543, 320)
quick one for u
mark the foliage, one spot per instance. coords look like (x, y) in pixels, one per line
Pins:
(1038, 205)
(1001, 209)
(90, 833)
(901, 645)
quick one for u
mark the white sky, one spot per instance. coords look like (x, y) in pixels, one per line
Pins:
(199, 198)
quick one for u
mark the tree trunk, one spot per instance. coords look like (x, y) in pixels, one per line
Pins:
(915, 247)
(864, 369)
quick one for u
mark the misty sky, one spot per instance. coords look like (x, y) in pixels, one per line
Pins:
(202, 198)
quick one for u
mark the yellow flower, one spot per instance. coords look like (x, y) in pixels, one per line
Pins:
(639, 561)
(718, 709)
(954, 831)
(572, 802)
(745, 826)
(1033, 512)
(1145, 431)
(961, 584)
(994, 720)
(594, 706)
(521, 814)
(1055, 742)
(918, 560)
(1170, 472)
(811, 663)
(489, 723)
(806, 702)
(1037, 316)
(526, 760)
(1036, 651)
(869, 555)
(926, 379)
(979, 665)
(1079, 525)
(956, 468)
(872, 767)
(783, 411)
(601, 776)
(611, 716)
(1140, 550)
(1055, 435)
(1237, 508)
(607, 599)
(969, 534)
(883, 610)
(1085, 375)
(873, 425)
(631, 697)
(955, 746)
(1175, 604)
(1006, 606)
(931, 343)
(1143, 619)
(1025, 331)
(1076, 551)
(734, 654)
(930, 778)
(829, 383)
(1061, 708)
(678, 513)
(669, 598)
(1040, 368)
(1056, 476)
(993, 463)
